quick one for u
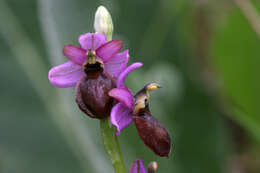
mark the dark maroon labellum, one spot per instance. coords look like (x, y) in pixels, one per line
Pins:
(154, 135)
(92, 95)
(92, 89)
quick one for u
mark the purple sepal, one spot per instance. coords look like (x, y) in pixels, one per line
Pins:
(92, 40)
(124, 74)
(65, 75)
(123, 95)
(121, 117)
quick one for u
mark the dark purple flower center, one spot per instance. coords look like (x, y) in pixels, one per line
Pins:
(93, 66)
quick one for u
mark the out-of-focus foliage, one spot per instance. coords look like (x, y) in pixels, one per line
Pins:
(236, 57)
(161, 34)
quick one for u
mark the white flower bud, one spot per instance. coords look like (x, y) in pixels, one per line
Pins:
(103, 22)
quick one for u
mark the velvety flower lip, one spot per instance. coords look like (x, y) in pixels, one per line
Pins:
(137, 167)
(67, 74)
(121, 113)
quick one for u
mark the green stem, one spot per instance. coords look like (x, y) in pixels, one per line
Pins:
(111, 145)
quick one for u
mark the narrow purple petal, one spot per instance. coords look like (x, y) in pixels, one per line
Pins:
(75, 54)
(123, 95)
(108, 50)
(92, 40)
(117, 64)
(124, 74)
(137, 167)
(65, 75)
(121, 117)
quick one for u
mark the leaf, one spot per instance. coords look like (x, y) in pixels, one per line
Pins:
(237, 58)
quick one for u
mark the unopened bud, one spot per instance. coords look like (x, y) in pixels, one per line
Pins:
(103, 22)
(152, 167)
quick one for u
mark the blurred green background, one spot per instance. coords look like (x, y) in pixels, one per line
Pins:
(205, 54)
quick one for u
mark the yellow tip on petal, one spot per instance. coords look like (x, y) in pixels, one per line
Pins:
(153, 86)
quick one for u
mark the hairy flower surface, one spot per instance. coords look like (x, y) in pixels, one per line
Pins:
(69, 73)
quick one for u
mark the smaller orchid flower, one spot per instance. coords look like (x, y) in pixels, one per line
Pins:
(136, 108)
(138, 167)
(93, 69)
(122, 113)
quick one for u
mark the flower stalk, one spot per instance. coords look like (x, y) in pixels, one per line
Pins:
(111, 145)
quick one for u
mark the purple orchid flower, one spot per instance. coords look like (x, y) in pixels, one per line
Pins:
(138, 167)
(136, 108)
(69, 73)
(121, 113)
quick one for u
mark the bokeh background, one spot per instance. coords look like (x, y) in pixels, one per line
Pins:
(205, 54)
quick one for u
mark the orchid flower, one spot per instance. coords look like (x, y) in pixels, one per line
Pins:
(93, 69)
(69, 73)
(121, 113)
(136, 108)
